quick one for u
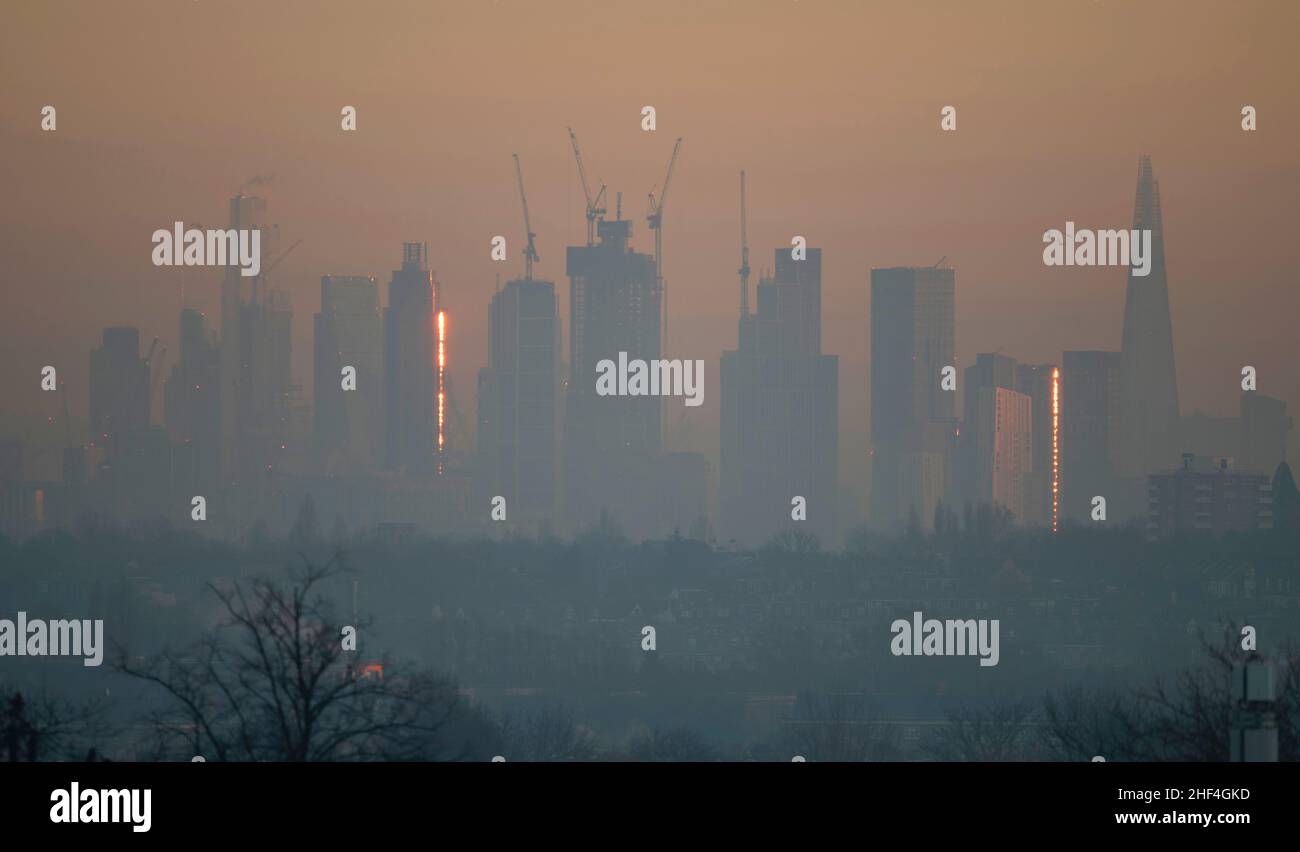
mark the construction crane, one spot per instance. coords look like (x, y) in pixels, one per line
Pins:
(744, 253)
(273, 264)
(594, 210)
(656, 220)
(530, 251)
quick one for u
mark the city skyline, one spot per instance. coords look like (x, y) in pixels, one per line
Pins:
(349, 197)
(573, 453)
(902, 384)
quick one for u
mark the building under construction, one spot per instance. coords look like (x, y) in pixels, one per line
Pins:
(262, 414)
(518, 395)
(780, 409)
(615, 467)
(611, 441)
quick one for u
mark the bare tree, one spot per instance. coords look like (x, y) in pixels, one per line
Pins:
(1186, 718)
(273, 682)
(839, 728)
(1081, 725)
(43, 727)
(547, 735)
(1003, 731)
(676, 745)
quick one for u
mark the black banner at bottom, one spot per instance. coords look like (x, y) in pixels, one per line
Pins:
(216, 801)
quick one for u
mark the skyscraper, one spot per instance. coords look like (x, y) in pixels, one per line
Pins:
(973, 463)
(611, 442)
(1037, 381)
(119, 387)
(191, 400)
(780, 411)
(913, 338)
(410, 364)
(256, 384)
(518, 402)
(1090, 429)
(1003, 450)
(347, 428)
(1149, 383)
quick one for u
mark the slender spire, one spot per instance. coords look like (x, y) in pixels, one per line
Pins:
(744, 253)
(1149, 396)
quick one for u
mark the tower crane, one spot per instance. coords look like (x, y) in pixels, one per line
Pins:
(273, 264)
(594, 209)
(530, 251)
(655, 219)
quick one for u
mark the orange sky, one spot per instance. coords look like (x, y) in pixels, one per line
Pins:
(164, 108)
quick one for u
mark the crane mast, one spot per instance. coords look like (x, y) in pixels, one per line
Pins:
(655, 219)
(594, 210)
(530, 251)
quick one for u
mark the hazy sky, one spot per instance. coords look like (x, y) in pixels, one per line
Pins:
(164, 108)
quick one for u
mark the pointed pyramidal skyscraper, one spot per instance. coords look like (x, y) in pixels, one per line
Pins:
(1148, 381)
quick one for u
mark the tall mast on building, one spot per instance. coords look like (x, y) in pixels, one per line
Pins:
(530, 251)
(744, 253)
(655, 219)
(594, 210)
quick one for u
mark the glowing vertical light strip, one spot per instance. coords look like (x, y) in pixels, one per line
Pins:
(442, 395)
(1056, 446)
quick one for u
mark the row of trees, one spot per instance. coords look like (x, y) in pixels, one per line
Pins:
(274, 682)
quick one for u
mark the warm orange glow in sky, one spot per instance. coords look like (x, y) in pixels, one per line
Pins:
(831, 107)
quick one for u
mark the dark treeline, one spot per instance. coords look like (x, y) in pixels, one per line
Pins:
(470, 648)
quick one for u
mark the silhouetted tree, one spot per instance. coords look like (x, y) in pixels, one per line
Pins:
(46, 728)
(1002, 731)
(838, 728)
(1187, 718)
(678, 745)
(547, 735)
(273, 682)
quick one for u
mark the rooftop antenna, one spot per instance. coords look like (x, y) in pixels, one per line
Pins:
(744, 253)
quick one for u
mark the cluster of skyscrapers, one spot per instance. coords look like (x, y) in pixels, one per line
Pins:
(1044, 441)
(382, 444)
